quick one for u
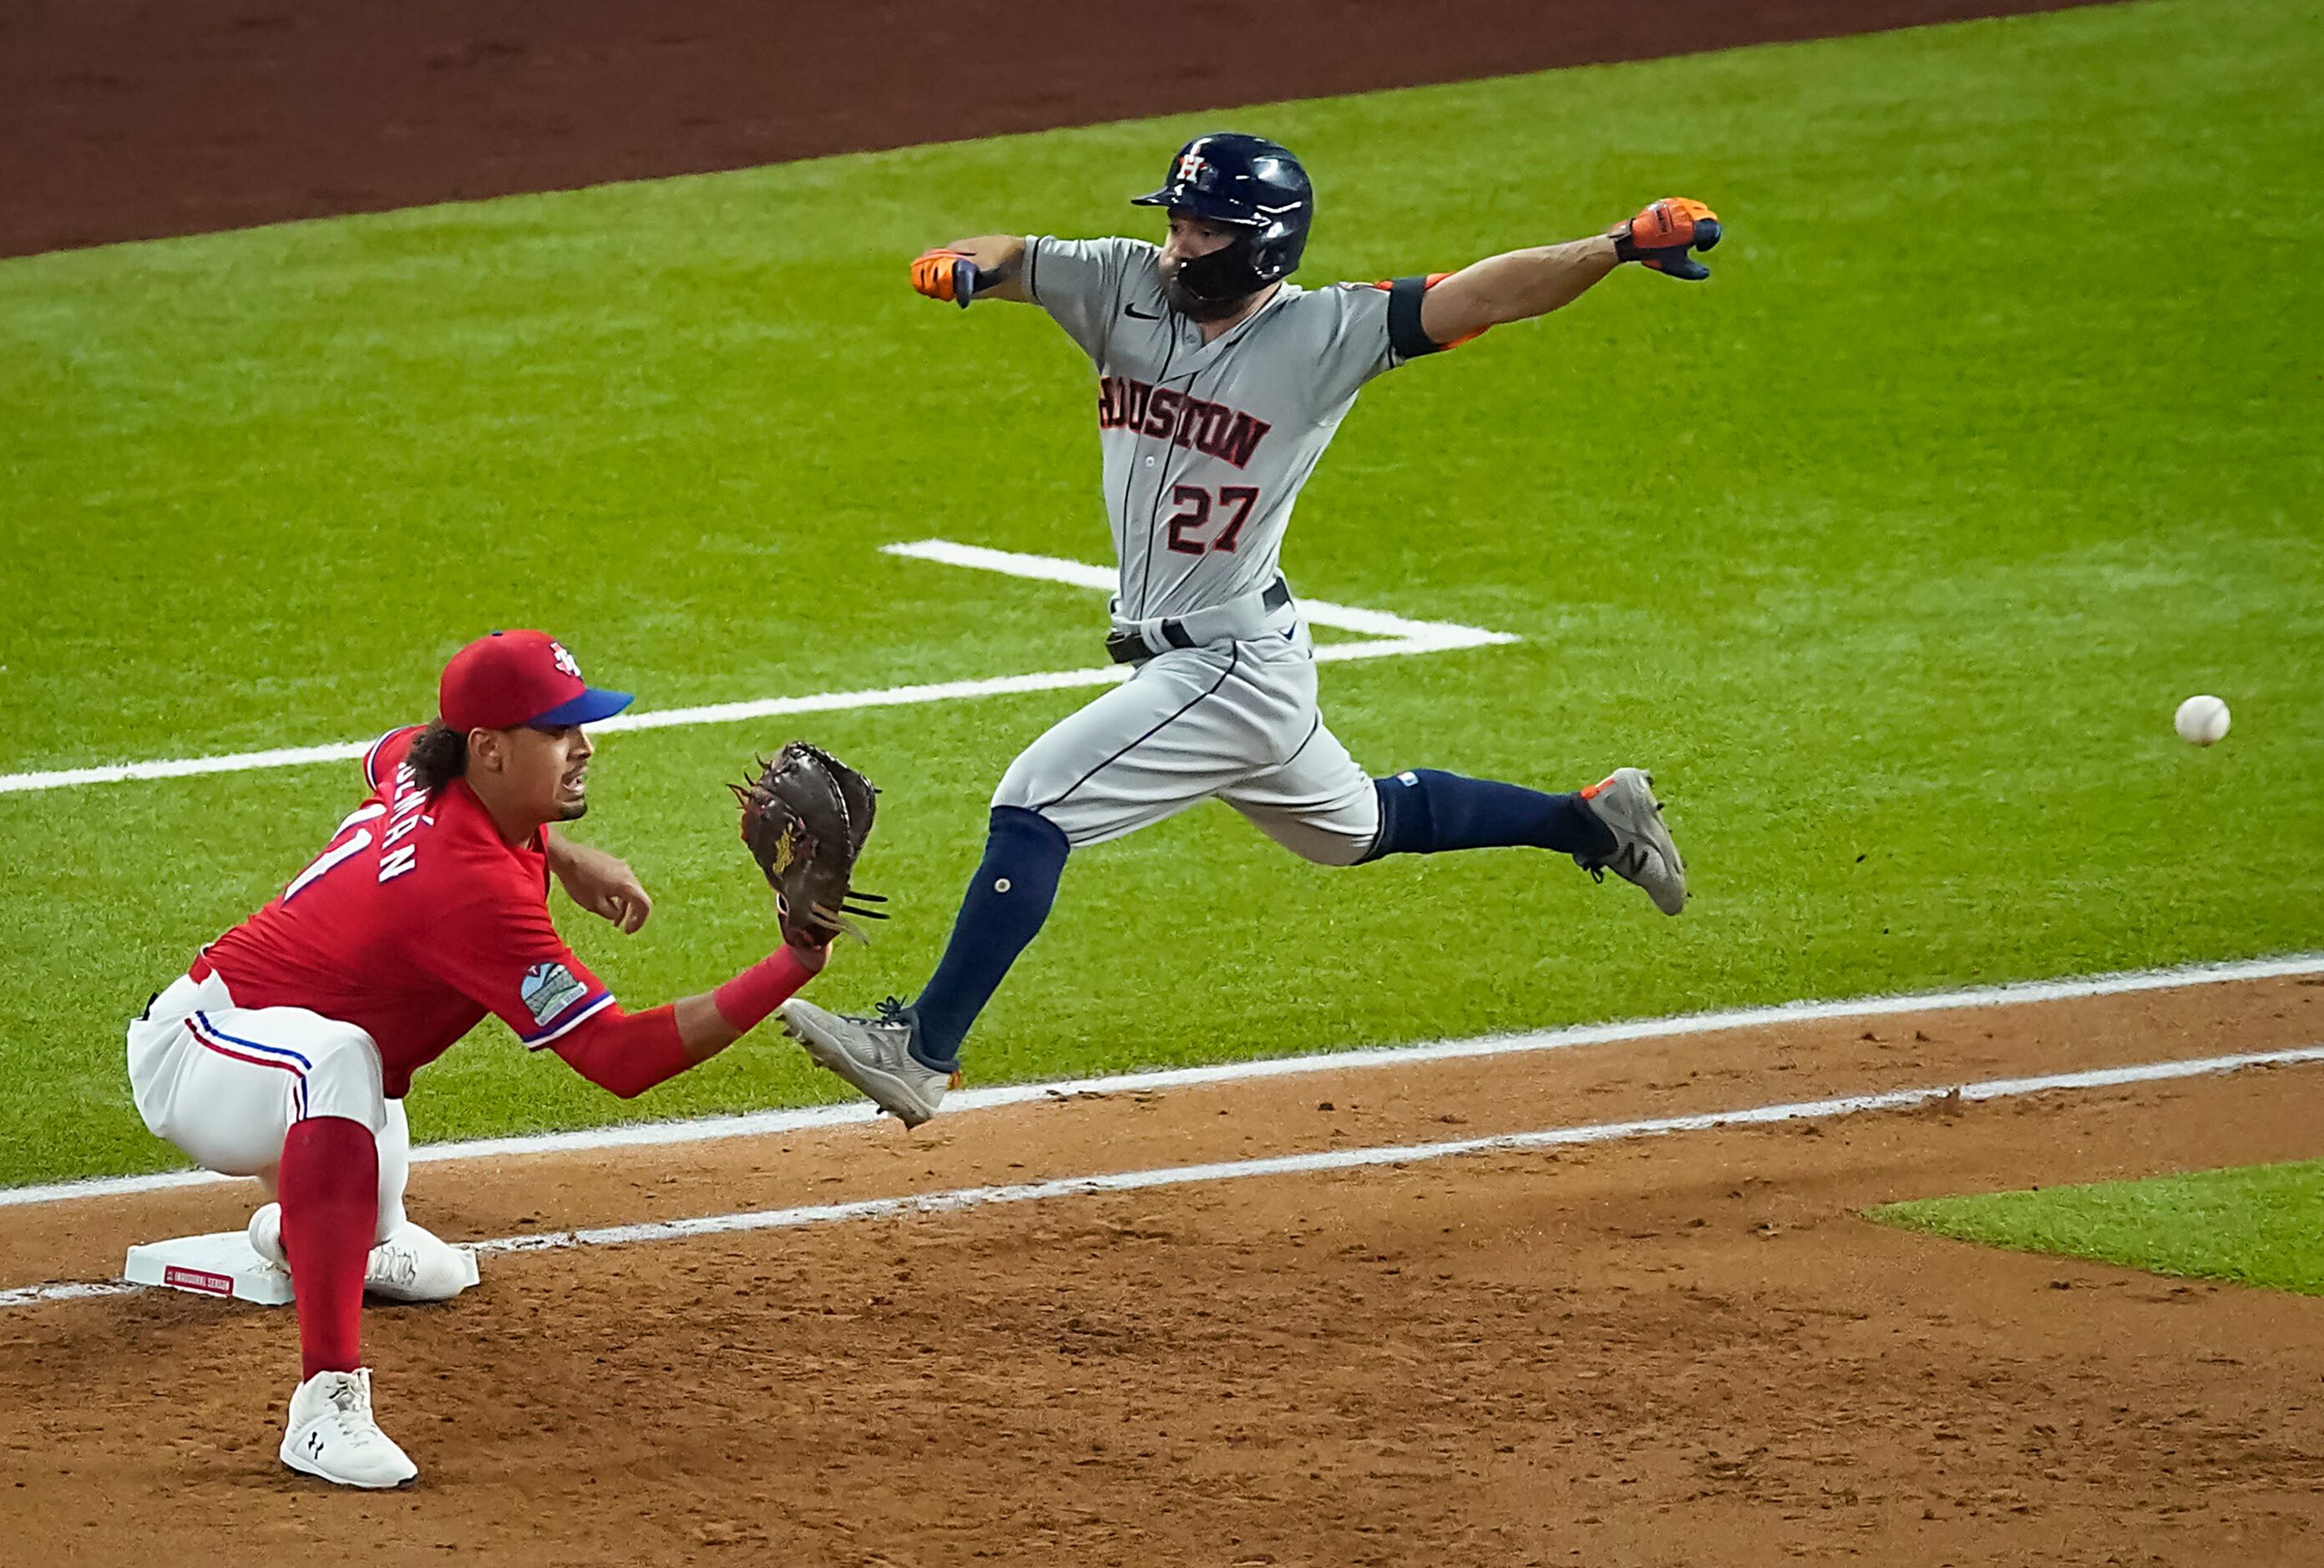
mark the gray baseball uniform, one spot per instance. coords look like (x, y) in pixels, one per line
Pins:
(1205, 449)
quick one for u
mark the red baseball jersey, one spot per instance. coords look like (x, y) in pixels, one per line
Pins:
(415, 921)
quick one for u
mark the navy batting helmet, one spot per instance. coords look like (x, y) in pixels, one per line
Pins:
(1256, 186)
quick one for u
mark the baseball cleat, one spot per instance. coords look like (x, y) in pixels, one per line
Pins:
(332, 1435)
(411, 1265)
(1643, 851)
(266, 1236)
(875, 1054)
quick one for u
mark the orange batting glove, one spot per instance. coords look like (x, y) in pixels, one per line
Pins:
(1660, 237)
(943, 274)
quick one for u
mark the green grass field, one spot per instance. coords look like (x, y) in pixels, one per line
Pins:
(2261, 1224)
(1890, 549)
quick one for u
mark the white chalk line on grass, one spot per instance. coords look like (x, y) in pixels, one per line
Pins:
(957, 1199)
(1397, 635)
(761, 1123)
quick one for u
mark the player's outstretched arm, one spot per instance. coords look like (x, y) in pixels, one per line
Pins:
(629, 1053)
(988, 268)
(1519, 285)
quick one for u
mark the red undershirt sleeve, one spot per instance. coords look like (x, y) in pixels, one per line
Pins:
(627, 1052)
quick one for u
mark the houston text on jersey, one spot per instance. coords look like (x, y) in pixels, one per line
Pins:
(1214, 430)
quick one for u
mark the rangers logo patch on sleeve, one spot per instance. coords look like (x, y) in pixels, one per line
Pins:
(547, 990)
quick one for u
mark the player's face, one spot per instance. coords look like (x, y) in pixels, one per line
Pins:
(547, 771)
(1191, 237)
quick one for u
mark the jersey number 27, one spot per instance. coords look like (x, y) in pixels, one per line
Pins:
(1196, 515)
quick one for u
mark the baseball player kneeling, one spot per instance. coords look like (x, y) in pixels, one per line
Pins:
(285, 1052)
(1219, 385)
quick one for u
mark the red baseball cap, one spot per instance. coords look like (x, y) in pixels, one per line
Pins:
(520, 678)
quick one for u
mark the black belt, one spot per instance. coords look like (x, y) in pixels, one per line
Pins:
(1129, 647)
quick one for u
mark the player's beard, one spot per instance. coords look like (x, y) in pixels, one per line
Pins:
(1193, 306)
(575, 808)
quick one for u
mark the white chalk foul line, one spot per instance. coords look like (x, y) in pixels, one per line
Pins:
(761, 1123)
(957, 1199)
(32, 1295)
(1400, 637)
(1399, 1154)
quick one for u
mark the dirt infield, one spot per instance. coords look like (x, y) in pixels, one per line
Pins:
(125, 119)
(1686, 1350)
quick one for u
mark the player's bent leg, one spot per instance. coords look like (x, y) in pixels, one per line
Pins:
(393, 1154)
(1007, 903)
(905, 1057)
(1615, 824)
(1318, 804)
(222, 1092)
(250, 1090)
(409, 1262)
(330, 1198)
(1170, 736)
(328, 1185)
(1186, 726)
(395, 1143)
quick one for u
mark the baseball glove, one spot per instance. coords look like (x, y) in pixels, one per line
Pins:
(806, 817)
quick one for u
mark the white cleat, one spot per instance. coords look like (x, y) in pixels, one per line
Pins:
(875, 1054)
(1624, 800)
(266, 1236)
(332, 1435)
(413, 1265)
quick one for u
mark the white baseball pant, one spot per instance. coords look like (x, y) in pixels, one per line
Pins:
(225, 1083)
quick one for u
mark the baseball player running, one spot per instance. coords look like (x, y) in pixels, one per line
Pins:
(285, 1052)
(1218, 386)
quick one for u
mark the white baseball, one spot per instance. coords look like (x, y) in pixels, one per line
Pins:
(2200, 720)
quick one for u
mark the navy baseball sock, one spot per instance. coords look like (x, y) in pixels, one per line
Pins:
(1006, 902)
(1424, 811)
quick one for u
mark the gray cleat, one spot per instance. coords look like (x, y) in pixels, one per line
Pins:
(875, 1054)
(1643, 851)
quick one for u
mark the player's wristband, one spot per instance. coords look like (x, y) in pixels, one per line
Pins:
(746, 1000)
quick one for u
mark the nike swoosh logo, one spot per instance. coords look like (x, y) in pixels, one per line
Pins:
(1142, 315)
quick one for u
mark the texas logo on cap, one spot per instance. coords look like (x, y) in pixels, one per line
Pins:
(509, 679)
